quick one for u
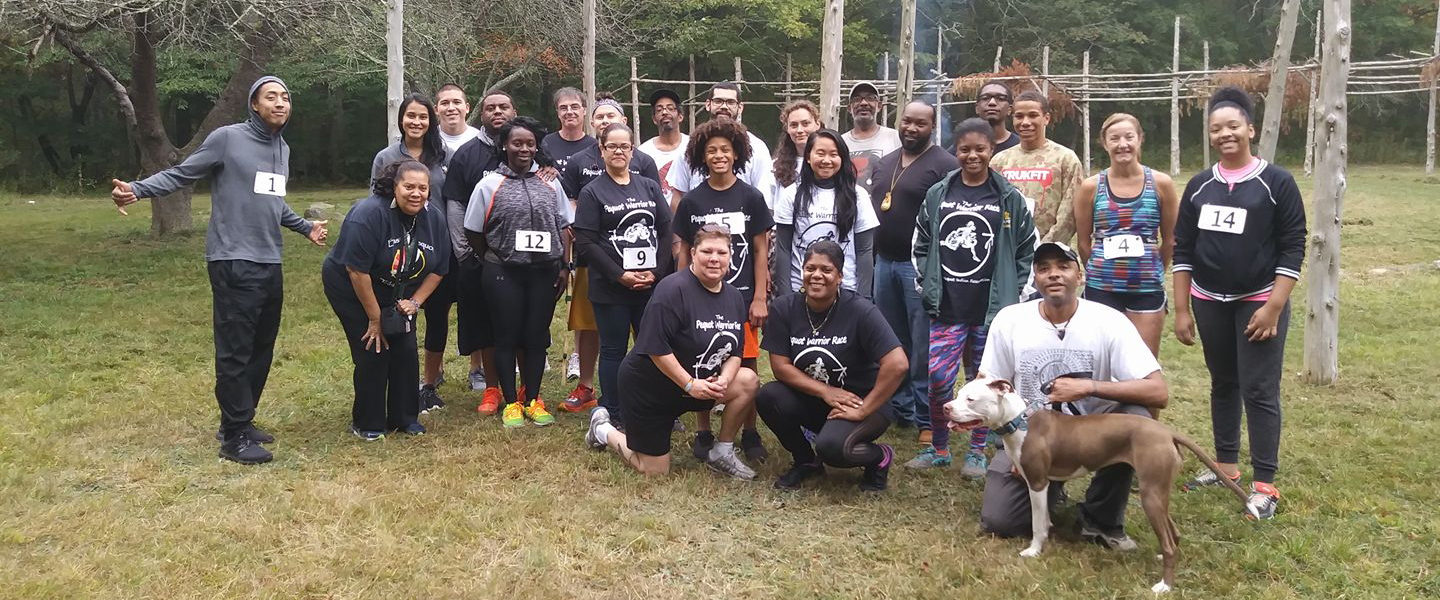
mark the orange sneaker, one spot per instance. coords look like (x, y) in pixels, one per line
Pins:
(582, 398)
(490, 401)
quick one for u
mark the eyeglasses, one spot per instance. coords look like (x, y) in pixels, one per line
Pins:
(667, 108)
(993, 98)
(715, 228)
(725, 101)
(618, 147)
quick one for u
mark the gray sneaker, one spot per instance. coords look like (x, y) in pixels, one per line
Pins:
(975, 465)
(730, 464)
(1121, 543)
(1206, 478)
(598, 417)
(1261, 505)
(477, 380)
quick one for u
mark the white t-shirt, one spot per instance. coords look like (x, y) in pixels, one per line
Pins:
(454, 142)
(821, 224)
(756, 172)
(664, 159)
(865, 153)
(1023, 347)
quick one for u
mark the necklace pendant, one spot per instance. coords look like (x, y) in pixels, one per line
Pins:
(885, 204)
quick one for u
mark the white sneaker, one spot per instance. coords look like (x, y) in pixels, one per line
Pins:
(572, 368)
(598, 417)
(477, 380)
(730, 464)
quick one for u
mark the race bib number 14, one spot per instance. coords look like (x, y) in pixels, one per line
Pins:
(1224, 219)
(269, 184)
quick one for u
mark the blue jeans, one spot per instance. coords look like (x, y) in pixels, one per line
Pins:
(614, 322)
(899, 302)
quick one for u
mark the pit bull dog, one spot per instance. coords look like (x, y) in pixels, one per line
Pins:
(1059, 447)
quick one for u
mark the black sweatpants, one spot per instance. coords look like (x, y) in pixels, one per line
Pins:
(387, 394)
(437, 310)
(247, 297)
(1243, 373)
(838, 442)
(521, 303)
(472, 323)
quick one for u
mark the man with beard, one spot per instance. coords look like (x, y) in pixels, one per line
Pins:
(994, 103)
(669, 146)
(1043, 170)
(898, 187)
(724, 103)
(869, 140)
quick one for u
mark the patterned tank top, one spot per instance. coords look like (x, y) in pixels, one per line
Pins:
(1125, 252)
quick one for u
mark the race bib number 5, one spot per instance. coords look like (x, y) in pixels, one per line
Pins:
(269, 184)
(734, 221)
(1123, 246)
(632, 259)
(1224, 219)
(532, 241)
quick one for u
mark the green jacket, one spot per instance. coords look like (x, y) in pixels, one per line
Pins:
(1015, 243)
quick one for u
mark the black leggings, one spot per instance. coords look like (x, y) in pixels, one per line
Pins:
(1243, 374)
(437, 311)
(521, 302)
(838, 443)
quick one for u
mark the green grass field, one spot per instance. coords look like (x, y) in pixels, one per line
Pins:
(112, 489)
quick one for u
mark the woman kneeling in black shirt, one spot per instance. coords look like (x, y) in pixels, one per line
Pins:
(837, 363)
(391, 253)
(686, 358)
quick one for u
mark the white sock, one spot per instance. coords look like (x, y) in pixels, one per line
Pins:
(602, 432)
(722, 449)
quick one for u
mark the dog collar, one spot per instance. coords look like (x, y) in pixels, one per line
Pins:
(1019, 423)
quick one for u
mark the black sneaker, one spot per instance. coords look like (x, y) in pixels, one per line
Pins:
(750, 444)
(255, 434)
(412, 429)
(430, 399)
(366, 435)
(797, 474)
(245, 451)
(700, 448)
(877, 478)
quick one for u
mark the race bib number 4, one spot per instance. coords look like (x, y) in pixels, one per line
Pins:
(1123, 246)
(1224, 219)
(734, 221)
(532, 241)
(269, 184)
(632, 259)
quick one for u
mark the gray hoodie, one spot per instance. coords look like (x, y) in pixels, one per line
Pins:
(246, 160)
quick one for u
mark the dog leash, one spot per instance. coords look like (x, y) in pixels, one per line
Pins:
(1020, 421)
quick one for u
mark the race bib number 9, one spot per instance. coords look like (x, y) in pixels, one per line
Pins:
(1123, 246)
(532, 241)
(632, 259)
(734, 221)
(269, 184)
(1224, 219)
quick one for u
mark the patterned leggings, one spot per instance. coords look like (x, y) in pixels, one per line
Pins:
(947, 350)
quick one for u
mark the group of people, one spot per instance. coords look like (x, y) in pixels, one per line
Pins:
(874, 267)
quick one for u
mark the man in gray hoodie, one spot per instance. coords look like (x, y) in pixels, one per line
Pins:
(249, 164)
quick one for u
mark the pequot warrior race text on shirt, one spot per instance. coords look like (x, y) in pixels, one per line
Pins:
(969, 220)
(742, 209)
(701, 328)
(629, 221)
(846, 349)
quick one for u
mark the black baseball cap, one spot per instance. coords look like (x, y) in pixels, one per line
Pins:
(1057, 248)
(656, 95)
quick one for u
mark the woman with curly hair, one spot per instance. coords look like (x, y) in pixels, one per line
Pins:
(718, 149)
(391, 253)
(798, 120)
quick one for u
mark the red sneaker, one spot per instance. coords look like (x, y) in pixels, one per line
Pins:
(582, 398)
(490, 401)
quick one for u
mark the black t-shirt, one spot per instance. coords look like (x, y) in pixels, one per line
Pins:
(470, 163)
(1010, 142)
(560, 149)
(585, 166)
(631, 224)
(897, 225)
(743, 209)
(969, 220)
(390, 246)
(700, 327)
(844, 353)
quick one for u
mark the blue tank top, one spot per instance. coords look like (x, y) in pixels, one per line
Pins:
(1130, 261)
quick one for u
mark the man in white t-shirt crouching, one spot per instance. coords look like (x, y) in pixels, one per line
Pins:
(1082, 358)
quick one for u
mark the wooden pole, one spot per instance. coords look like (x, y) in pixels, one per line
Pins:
(1430, 119)
(1085, 106)
(906, 78)
(789, 78)
(1204, 126)
(884, 107)
(394, 66)
(739, 81)
(832, 54)
(1315, 94)
(1175, 103)
(1045, 72)
(690, 120)
(940, 73)
(1322, 302)
(635, 98)
(588, 58)
(997, 59)
(1279, 74)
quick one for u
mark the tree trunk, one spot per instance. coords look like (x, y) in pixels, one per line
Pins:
(337, 134)
(1322, 315)
(394, 67)
(1279, 75)
(905, 79)
(832, 48)
(169, 214)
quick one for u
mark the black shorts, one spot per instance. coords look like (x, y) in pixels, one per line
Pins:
(651, 405)
(1135, 302)
(472, 322)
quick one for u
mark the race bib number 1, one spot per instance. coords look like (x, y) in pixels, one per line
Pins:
(532, 241)
(1224, 219)
(269, 184)
(632, 259)
(1123, 246)
(734, 221)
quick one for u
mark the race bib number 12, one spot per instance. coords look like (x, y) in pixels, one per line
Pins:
(532, 241)
(1224, 219)
(269, 184)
